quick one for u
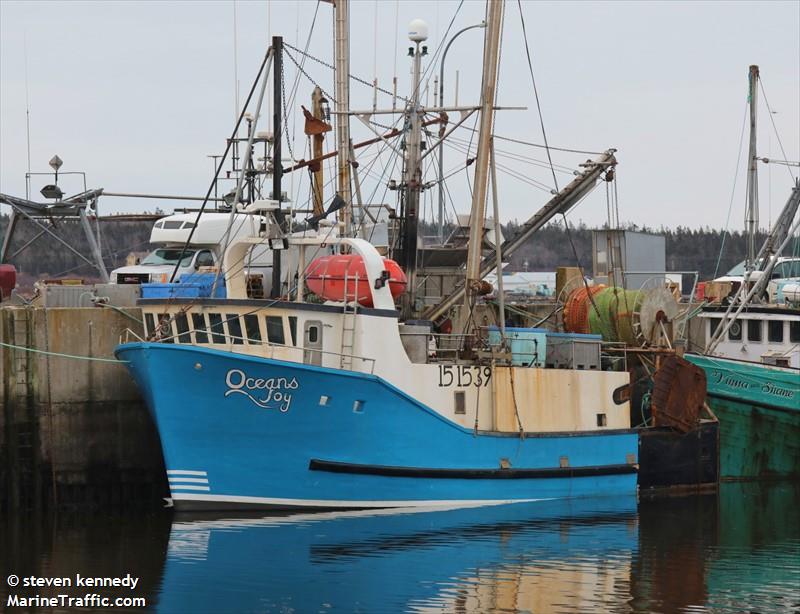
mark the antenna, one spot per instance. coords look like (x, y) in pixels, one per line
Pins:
(235, 61)
(27, 118)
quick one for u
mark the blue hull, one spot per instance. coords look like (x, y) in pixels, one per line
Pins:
(239, 431)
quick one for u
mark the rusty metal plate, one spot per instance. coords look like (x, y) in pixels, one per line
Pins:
(679, 392)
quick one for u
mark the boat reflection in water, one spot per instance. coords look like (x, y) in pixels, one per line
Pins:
(546, 555)
(732, 551)
(735, 551)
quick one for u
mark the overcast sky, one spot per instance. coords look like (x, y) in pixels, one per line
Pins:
(138, 94)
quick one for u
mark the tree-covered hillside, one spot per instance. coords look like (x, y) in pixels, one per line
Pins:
(687, 249)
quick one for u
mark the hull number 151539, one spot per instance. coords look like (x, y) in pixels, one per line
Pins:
(463, 376)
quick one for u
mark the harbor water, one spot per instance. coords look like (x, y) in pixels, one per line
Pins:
(737, 550)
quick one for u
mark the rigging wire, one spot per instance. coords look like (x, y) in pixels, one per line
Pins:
(355, 78)
(223, 158)
(536, 91)
(513, 173)
(504, 153)
(396, 55)
(733, 193)
(539, 145)
(772, 120)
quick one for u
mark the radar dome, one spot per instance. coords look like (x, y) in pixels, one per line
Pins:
(418, 31)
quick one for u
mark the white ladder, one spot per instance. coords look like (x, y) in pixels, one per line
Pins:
(348, 326)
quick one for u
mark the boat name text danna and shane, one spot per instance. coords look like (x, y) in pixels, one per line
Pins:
(767, 388)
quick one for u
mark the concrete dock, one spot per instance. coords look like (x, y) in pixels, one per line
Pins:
(74, 432)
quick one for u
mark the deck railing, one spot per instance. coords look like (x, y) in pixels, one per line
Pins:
(368, 364)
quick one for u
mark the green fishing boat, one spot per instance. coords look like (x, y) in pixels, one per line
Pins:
(752, 354)
(758, 407)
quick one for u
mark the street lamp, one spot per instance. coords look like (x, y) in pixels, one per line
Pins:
(441, 145)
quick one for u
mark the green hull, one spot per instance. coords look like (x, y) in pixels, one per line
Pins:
(758, 407)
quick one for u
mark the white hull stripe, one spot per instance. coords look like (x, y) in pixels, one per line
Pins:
(186, 473)
(173, 487)
(189, 480)
(329, 503)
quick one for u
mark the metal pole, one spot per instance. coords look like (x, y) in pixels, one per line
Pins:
(242, 171)
(90, 238)
(490, 62)
(161, 196)
(57, 238)
(412, 181)
(12, 224)
(342, 93)
(359, 201)
(277, 167)
(497, 250)
(440, 221)
(230, 143)
(752, 175)
(214, 176)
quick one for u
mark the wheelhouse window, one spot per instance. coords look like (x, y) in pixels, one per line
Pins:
(775, 331)
(199, 325)
(735, 331)
(754, 330)
(165, 328)
(252, 329)
(714, 325)
(217, 331)
(794, 331)
(234, 328)
(149, 324)
(293, 329)
(275, 330)
(182, 324)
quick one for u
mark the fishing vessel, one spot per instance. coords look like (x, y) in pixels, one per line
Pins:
(342, 399)
(752, 355)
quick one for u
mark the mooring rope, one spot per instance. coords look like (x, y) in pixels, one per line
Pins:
(59, 354)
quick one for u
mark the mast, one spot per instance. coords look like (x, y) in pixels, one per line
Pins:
(277, 168)
(412, 171)
(752, 175)
(478, 214)
(342, 106)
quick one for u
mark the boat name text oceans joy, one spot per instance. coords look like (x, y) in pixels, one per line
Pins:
(275, 393)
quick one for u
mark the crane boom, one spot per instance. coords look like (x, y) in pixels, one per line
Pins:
(562, 202)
